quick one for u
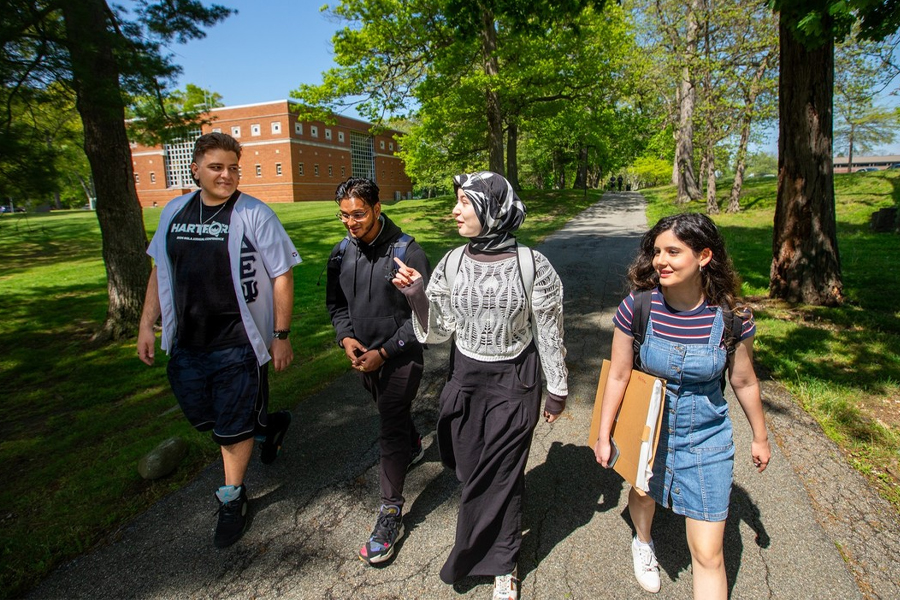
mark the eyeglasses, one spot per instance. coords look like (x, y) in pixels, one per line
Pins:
(355, 217)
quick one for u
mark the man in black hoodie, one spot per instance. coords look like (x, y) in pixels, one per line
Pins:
(373, 323)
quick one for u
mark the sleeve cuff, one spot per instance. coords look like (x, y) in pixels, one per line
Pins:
(554, 404)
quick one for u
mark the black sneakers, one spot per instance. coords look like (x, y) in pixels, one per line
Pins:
(275, 430)
(388, 529)
(233, 517)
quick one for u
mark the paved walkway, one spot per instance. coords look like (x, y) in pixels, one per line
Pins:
(316, 504)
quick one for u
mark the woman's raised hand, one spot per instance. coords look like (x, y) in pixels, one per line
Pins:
(404, 276)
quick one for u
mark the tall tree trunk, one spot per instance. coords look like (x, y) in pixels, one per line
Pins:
(704, 158)
(712, 205)
(806, 264)
(559, 172)
(734, 203)
(684, 148)
(512, 156)
(99, 102)
(850, 151)
(581, 170)
(494, 115)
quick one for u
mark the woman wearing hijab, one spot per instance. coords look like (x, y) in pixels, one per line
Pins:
(505, 335)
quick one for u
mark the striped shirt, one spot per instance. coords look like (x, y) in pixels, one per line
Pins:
(684, 327)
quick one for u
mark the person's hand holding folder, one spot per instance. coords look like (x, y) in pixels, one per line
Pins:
(627, 412)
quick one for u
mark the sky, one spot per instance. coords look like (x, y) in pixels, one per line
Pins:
(261, 53)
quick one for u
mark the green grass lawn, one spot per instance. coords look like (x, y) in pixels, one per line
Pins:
(841, 364)
(76, 416)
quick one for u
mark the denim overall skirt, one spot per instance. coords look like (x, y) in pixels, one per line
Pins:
(694, 462)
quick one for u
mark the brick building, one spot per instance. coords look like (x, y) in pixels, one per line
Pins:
(283, 160)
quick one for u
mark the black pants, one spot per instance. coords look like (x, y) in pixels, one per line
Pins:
(394, 387)
(488, 414)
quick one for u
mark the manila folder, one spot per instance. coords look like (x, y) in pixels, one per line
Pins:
(634, 425)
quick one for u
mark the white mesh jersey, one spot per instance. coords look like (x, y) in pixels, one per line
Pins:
(487, 309)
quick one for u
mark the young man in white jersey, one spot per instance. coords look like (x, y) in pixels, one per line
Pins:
(223, 285)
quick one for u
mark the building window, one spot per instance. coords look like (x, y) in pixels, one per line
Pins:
(254, 129)
(259, 170)
(381, 144)
(236, 131)
(330, 171)
(341, 136)
(391, 147)
(278, 169)
(343, 172)
(301, 169)
(217, 130)
(276, 126)
(298, 128)
(152, 177)
(327, 134)
(316, 170)
(314, 131)
(137, 179)
(362, 151)
(177, 157)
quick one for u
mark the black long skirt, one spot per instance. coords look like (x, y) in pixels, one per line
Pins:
(488, 412)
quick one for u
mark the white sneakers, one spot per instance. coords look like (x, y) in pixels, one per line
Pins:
(506, 586)
(646, 569)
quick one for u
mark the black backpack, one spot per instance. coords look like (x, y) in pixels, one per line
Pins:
(398, 250)
(641, 316)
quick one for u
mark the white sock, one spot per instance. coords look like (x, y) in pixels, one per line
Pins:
(640, 544)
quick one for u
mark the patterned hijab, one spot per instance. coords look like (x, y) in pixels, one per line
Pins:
(498, 208)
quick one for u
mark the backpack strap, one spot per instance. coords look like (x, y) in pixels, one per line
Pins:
(527, 267)
(639, 319)
(454, 256)
(734, 327)
(336, 260)
(400, 246)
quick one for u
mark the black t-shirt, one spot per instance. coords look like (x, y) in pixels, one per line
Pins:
(206, 306)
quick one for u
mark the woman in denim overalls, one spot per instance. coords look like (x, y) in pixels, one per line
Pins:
(683, 260)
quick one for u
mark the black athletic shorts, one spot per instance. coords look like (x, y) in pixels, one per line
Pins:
(225, 391)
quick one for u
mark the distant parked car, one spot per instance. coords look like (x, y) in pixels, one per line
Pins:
(6, 209)
(894, 166)
(867, 169)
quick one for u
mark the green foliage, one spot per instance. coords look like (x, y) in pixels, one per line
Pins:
(170, 116)
(812, 22)
(650, 172)
(564, 67)
(762, 164)
(41, 152)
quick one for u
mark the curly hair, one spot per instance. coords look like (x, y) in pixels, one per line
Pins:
(358, 187)
(697, 231)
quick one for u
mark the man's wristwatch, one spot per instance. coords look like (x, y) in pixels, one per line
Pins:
(281, 334)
